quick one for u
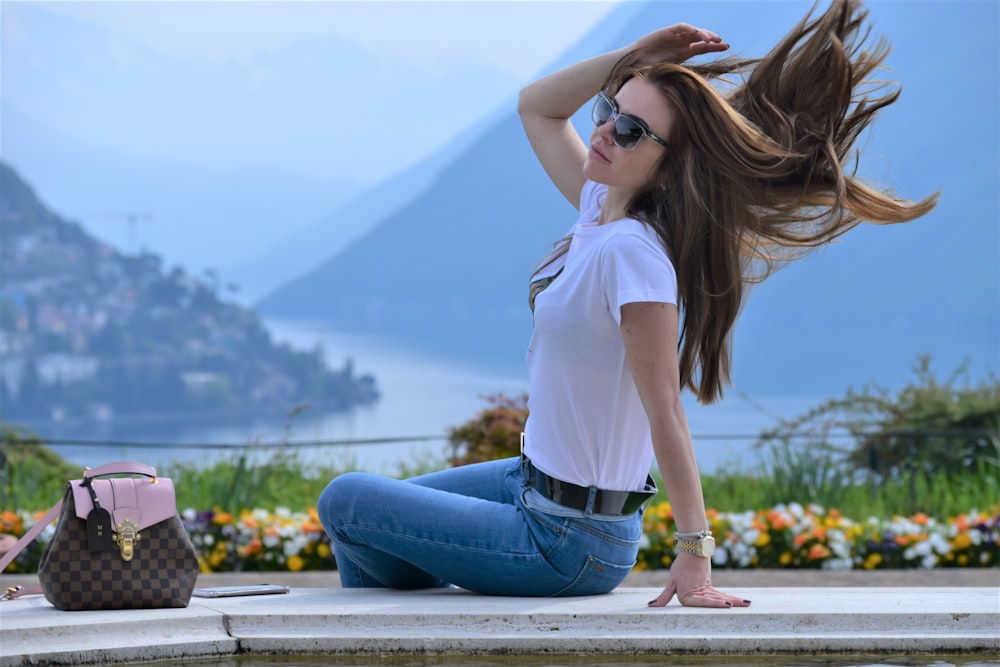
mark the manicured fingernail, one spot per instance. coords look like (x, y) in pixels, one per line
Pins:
(651, 603)
(728, 603)
(746, 602)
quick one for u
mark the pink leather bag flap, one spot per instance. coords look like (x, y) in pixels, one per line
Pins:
(144, 501)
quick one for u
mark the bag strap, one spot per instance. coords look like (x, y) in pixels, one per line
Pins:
(29, 537)
(121, 468)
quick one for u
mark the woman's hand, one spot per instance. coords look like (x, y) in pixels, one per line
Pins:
(678, 43)
(690, 580)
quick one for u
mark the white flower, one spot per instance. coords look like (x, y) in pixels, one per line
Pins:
(721, 556)
(939, 544)
(838, 564)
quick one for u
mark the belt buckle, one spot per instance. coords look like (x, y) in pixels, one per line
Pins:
(526, 477)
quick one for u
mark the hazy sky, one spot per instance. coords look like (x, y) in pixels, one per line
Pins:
(238, 82)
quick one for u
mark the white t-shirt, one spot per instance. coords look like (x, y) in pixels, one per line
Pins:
(586, 424)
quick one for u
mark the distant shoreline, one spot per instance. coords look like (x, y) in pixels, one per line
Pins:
(213, 417)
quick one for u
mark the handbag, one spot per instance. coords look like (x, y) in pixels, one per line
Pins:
(118, 544)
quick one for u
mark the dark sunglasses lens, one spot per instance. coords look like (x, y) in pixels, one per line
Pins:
(627, 132)
(602, 111)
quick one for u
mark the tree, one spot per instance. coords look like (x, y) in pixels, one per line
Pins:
(495, 433)
(928, 429)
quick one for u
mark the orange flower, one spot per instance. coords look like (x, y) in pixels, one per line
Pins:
(309, 527)
(254, 547)
(222, 518)
(10, 522)
(818, 552)
(920, 519)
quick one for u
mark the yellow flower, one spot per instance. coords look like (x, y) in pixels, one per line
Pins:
(785, 558)
(295, 563)
(872, 561)
(763, 539)
(961, 541)
(323, 550)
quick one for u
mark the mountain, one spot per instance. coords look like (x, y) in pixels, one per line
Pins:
(88, 333)
(448, 272)
(219, 145)
(193, 216)
(305, 249)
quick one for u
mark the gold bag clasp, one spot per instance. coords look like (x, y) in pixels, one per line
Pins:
(126, 537)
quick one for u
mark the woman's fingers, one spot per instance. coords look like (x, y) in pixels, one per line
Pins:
(706, 596)
(703, 596)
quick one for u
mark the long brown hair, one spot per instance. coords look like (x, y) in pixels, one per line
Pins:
(758, 175)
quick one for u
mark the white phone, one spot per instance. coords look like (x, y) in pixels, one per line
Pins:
(236, 591)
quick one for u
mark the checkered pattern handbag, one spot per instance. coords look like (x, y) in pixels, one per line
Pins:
(119, 544)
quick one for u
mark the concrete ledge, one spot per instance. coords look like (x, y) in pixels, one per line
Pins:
(34, 632)
(439, 622)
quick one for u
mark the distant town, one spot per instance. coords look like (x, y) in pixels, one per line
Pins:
(87, 332)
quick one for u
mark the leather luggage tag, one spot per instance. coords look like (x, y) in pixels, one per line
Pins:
(98, 523)
(99, 530)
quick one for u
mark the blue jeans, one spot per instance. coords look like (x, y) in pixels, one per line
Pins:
(478, 527)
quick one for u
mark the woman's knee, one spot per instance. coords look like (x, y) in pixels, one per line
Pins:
(339, 497)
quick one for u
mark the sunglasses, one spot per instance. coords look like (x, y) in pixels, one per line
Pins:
(628, 130)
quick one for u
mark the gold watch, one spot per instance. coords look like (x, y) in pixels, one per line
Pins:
(700, 544)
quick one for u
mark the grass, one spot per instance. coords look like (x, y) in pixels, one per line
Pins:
(811, 473)
(33, 478)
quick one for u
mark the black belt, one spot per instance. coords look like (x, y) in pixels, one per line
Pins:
(576, 497)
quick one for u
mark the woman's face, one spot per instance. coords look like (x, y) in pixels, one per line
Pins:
(615, 166)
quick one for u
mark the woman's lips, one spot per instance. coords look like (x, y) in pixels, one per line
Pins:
(596, 152)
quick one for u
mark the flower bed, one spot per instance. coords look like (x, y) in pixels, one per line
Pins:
(796, 536)
(785, 536)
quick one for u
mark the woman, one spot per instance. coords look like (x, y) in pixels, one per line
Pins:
(686, 196)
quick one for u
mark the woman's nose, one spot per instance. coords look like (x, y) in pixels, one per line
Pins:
(606, 129)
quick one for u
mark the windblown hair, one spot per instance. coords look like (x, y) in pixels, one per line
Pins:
(756, 177)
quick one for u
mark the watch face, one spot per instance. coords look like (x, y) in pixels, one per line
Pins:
(708, 546)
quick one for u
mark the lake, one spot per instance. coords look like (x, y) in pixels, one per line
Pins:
(421, 398)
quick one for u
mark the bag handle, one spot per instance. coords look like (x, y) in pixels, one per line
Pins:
(120, 468)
